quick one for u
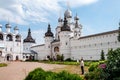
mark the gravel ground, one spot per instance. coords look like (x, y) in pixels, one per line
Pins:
(19, 70)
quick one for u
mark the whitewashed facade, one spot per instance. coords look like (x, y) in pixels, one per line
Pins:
(69, 42)
(11, 44)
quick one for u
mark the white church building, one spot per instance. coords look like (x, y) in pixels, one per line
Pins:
(69, 41)
(11, 44)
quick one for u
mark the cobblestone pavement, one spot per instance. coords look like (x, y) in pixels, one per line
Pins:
(19, 70)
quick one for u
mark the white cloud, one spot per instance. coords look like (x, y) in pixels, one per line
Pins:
(25, 11)
(35, 11)
(38, 35)
(78, 3)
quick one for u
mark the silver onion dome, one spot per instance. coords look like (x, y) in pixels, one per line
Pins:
(68, 14)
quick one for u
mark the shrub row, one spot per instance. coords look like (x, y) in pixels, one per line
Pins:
(40, 74)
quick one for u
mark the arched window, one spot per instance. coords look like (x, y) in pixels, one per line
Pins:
(18, 38)
(9, 37)
(56, 49)
(17, 58)
(1, 36)
(0, 53)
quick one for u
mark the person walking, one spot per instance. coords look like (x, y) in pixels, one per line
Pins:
(82, 65)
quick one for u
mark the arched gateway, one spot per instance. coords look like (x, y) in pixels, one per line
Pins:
(9, 57)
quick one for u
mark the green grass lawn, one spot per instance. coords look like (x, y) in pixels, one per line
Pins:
(3, 64)
(71, 67)
(60, 62)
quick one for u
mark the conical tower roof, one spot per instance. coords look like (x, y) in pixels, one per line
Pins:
(29, 38)
(49, 33)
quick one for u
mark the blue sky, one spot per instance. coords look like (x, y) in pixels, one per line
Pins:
(95, 15)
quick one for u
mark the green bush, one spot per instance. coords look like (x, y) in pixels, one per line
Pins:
(40, 74)
(68, 59)
(93, 66)
(110, 70)
(97, 74)
(3, 64)
(87, 63)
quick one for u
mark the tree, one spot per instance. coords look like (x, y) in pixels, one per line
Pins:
(102, 55)
(113, 64)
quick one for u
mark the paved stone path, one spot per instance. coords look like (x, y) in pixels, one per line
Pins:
(19, 70)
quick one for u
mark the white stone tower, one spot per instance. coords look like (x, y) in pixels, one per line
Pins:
(77, 28)
(64, 39)
(27, 43)
(48, 39)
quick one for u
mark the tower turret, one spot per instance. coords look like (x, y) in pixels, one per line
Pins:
(8, 27)
(48, 39)
(58, 28)
(29, 38)
(77, 28)
(28, 42)
(49, 33)
(16, 30)
(60, 21)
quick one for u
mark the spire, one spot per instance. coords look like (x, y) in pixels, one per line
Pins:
(76, 24)
(68, 13)
(49, 33)
(49, 29)
(29, 37)
(65, 26)
(29, 32)
(76, 17)
(68, 5)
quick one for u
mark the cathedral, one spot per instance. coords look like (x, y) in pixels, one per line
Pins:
(67, 41)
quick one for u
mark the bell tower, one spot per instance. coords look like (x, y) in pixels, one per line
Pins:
(77, 28)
